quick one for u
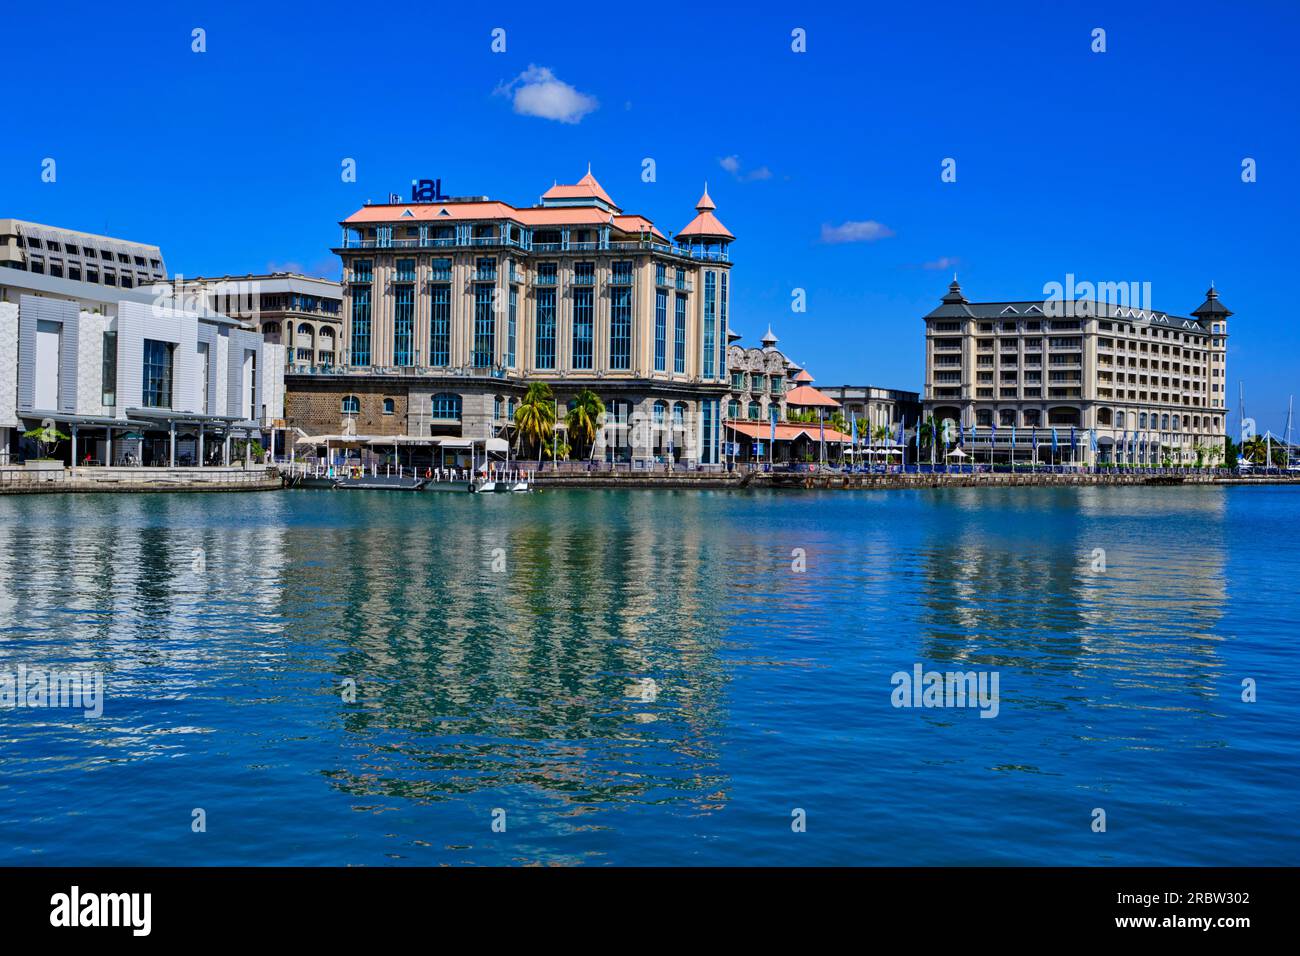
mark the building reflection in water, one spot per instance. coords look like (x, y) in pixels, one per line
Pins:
(1115, 602)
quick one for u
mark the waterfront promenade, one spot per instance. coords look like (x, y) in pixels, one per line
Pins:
(20, 480)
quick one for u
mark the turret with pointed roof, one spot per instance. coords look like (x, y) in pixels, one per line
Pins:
(769, 340)
(1211, 309)
(705, 226)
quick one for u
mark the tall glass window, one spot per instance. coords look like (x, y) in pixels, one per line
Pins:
(661, 330)
(362, 276)
(157, 377)
(582, 329)
(708, 412)
(708, 350)
(722, 328)
(108, 367)
(440, 325)
(510, 328)
(403, 321)
(679, 336)
(546, 328)
(620, 329)
(405, 270)
(484, 325)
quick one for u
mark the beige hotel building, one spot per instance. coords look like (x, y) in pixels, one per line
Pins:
(1152, 385)
(452, 307)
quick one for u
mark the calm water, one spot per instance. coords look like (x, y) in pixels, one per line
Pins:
(522, 690)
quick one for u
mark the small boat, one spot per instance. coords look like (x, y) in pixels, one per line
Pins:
(380, 483)
(500, 485)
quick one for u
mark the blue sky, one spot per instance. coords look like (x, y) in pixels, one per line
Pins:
(1115, 166)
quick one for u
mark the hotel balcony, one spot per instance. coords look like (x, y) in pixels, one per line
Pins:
(485, 275)
(478, 242)
(583, 280)
(620, 279)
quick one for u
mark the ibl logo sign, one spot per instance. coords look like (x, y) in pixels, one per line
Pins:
(427, 190)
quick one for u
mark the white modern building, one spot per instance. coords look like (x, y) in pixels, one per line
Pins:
(131, 374)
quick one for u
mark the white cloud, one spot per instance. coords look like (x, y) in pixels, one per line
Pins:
(867, 231)
(539, 92)
(733, 165)
(943, 262)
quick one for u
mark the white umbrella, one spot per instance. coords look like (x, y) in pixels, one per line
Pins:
(957, 453)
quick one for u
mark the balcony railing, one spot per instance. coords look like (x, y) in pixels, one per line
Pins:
(449, 242)
(620, 279)
(583, 279)
(485, 275)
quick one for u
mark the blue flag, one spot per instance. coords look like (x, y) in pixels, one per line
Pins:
(1055, 447)
(854, 429)
(900, 437)
(772, 411)
(1074, 445)
(1033, 436)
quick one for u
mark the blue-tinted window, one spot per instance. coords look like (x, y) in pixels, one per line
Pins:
(582, 329)
(157, 382)
(440, 325)
(510, 330)
(361, 325)
(546, 328)
(620, 329)
(661, 330)
(445, 405)
(679, 336)
(403, 323)
(708, 349)
(484, 325)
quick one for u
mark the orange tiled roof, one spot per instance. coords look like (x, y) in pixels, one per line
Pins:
(803, 377)
(785, 431)
(528, 216)
(584, 188)
(705, 223)
(805, 396)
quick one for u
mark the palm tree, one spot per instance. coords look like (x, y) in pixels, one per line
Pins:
(584, 418)
(535, 417)
(929, 432)
(880, 433)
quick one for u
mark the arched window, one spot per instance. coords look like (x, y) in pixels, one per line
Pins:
(445, 405)
(1120, 419)
(753, 411)
(661, 412)
(351, 405)
(733, 408)
(510, 408)
(1007, 417)
(389, 406)
(1104, 416)
(1176, 423)
(1164, 422)
(1142, 420)
(304, 329)
(984, 418)
(498, 405)
(327, 333)
(1196, 421)
(1032, 418)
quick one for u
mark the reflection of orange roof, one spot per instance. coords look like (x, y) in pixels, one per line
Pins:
(806, 396)
(786, 432)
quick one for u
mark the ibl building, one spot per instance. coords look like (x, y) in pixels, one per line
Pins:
(451, 307)
(93, 341)
(1148, 385)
